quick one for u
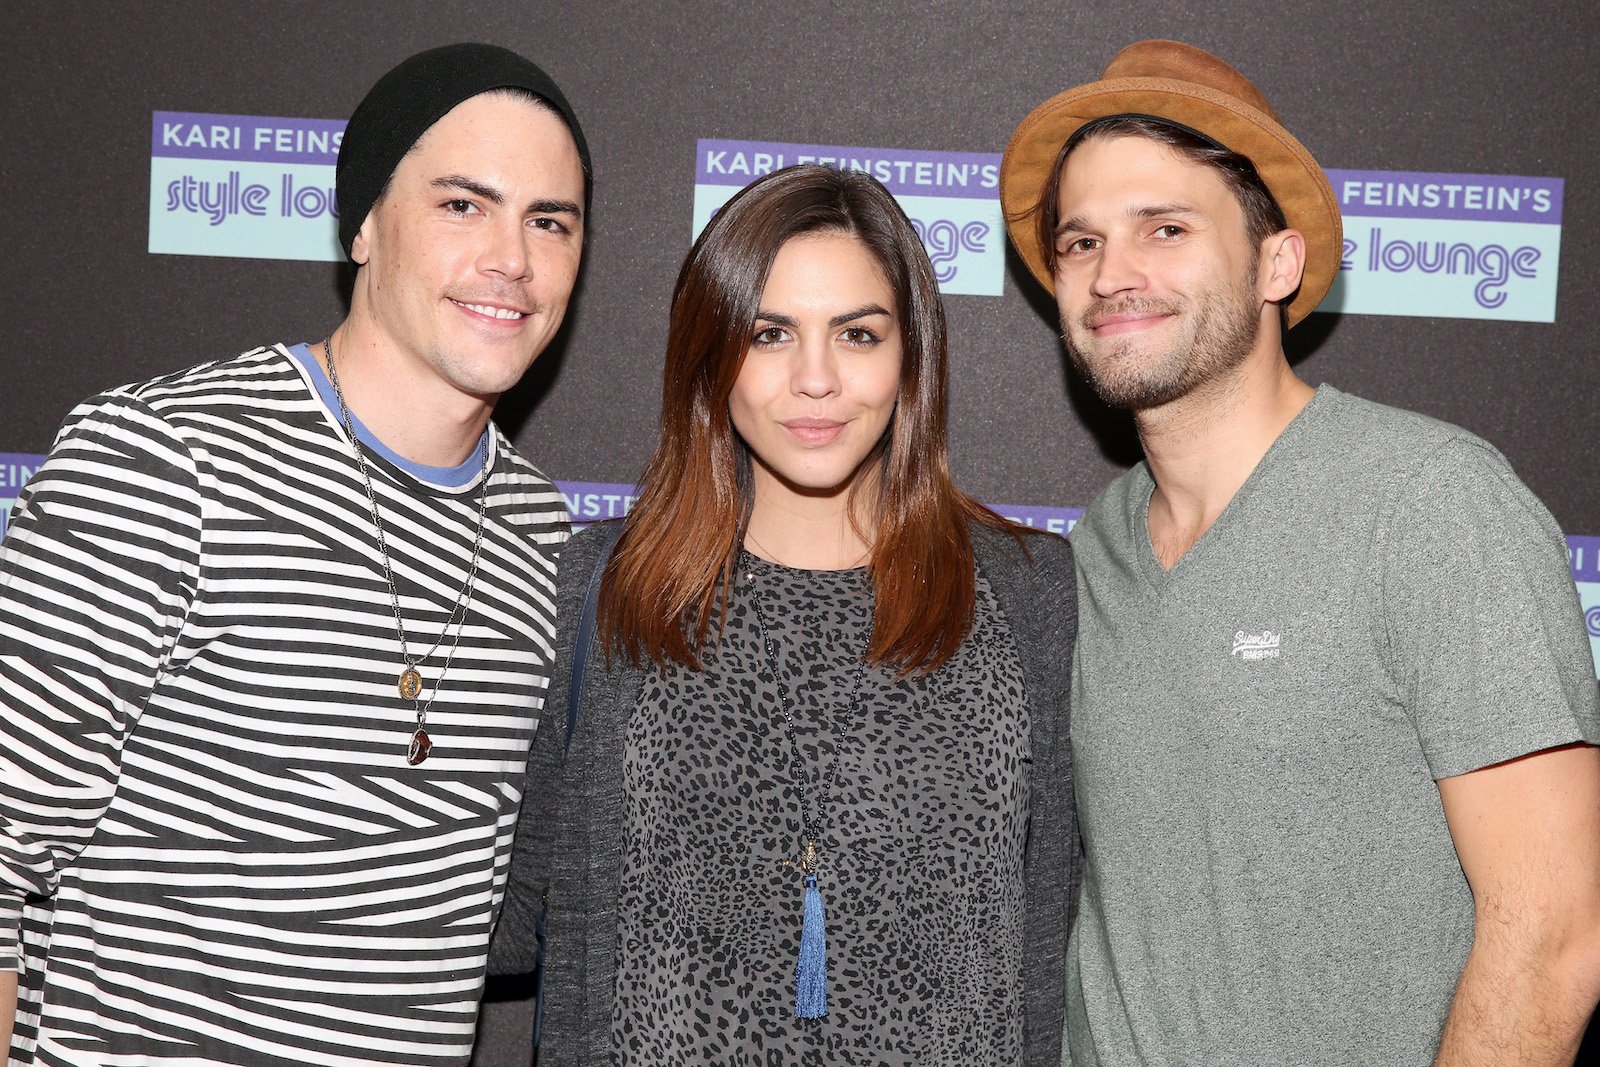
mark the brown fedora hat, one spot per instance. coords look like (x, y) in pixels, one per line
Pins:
(1181, 84)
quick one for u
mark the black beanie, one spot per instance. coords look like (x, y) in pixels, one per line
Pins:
(410, 99)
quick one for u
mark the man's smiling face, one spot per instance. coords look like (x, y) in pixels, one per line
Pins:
(470, 256)
(1155, 275)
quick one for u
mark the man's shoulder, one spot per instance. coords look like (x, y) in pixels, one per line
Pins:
(1106, 519)
(1373, 437)
(1370, 474)
(200, 395)
(527, 497)
(260, 373)
(525, 469)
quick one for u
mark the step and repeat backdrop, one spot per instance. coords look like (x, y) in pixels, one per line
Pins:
(168, 171)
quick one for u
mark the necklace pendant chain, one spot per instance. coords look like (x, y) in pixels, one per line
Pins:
(410, 682)
(811, 963)
(811, 819)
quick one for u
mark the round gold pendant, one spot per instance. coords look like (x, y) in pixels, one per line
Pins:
(421, 745)
(410, 683)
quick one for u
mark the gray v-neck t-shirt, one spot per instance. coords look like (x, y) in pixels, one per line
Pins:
(1257, 733)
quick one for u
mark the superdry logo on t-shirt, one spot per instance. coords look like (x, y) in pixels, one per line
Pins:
(1263, 645)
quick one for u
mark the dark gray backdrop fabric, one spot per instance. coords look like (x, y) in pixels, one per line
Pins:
(1411, 85)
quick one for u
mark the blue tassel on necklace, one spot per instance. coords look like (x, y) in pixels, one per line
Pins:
(811, 973)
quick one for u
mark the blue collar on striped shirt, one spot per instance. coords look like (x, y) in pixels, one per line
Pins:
(455, 477)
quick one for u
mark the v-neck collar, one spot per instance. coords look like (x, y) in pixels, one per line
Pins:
(1160, 578)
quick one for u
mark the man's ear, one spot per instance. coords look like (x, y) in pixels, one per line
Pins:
(1282, 263)
(361, 247)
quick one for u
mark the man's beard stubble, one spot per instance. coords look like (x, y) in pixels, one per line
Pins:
(1221, 334)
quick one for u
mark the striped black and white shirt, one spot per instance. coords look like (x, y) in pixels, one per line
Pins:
(212, 849)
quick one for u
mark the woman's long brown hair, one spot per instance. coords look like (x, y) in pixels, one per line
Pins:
(671, 569)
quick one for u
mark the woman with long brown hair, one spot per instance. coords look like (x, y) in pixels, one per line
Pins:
(816, 801)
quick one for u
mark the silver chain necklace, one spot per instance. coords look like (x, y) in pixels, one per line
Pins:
(410, 681)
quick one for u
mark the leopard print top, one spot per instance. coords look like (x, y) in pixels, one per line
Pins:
(921, 840)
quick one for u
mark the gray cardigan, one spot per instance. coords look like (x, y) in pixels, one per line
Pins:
(569, 838)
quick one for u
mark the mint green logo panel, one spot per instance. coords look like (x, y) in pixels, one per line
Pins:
(246, 186)
(952, 198)
(1585, 553)
(1462, 246)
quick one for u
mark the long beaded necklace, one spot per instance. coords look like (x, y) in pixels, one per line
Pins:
(811, 969)
(410, 681)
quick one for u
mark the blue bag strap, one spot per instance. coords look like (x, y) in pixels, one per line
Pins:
(586, 625)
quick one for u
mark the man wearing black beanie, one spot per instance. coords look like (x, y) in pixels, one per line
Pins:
(275, 631)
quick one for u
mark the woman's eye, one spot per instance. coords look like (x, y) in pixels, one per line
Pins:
(860, 335)
(770, 335)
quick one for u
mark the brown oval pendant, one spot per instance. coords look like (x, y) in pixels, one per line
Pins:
(421, 745)
(410, 683)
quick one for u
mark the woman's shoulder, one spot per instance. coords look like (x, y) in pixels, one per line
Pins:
(582, 551)
(1022, 550)
(1032, 574)
(1033, 579)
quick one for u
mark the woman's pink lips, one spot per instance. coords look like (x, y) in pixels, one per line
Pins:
(1129, 323)
(814, 431)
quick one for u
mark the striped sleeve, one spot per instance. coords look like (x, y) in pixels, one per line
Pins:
(97, 571)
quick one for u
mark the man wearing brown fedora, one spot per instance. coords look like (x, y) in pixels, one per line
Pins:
(1334, 709)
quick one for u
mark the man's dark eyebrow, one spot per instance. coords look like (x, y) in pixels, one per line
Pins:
(469, 185)
(1068, 225)
(1144, 211)
(1151, 211)
(496, 197)
(555, 207)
